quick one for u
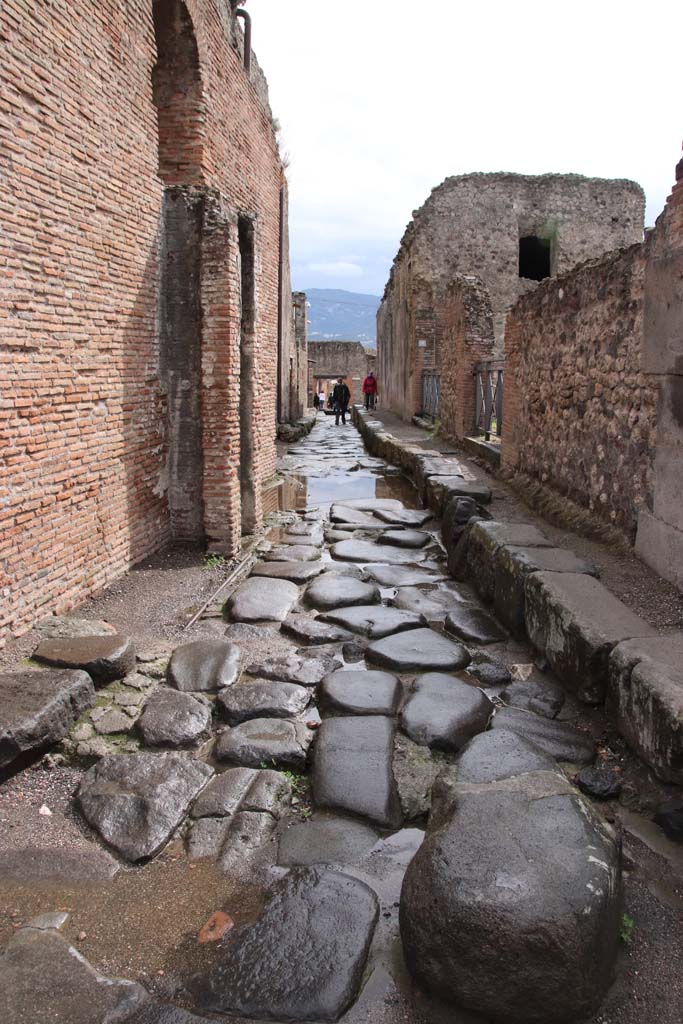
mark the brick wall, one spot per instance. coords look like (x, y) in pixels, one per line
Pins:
(579, 414)
(347, 359)
(84, 410)
(467, 339)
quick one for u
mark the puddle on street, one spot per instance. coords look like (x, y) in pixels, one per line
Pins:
(143, 924)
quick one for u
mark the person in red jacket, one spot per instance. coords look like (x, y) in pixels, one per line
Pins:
(370, 390)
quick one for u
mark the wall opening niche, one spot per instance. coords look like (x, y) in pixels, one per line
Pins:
(534, 258)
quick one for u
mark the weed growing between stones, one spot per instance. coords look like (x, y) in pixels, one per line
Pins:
(628, 926)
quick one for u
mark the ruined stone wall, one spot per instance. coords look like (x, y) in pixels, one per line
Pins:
(467, 339)
(579, 414)
(472, 224)
(85, 416)
(303, 386)
(347, 359)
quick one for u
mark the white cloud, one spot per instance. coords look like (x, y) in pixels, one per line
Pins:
(380, 104)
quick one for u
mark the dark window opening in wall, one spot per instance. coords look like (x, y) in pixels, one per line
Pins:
(245, 231)
(534, 258)
(177, 94)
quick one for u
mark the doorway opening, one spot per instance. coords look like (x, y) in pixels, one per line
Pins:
(245, 234)
(534, 258)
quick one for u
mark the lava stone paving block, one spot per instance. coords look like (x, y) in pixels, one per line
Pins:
(434, 605)
(511, 908)
(404, 517)
(273, 741)
(174, 719)
(331, 592)
(444, 712)
(473, 625)
(38, 709)
(374, 621)
(368, 551)
(204, 665)
(326, 839)
(575, 623)
(136, 801)
(543, 698)
(293, 553)
(406, 538)
(360, 693)
(295, 668)
(264, 698)
(440, 490)
(308, 630)
(259, 598)
(304, 957)
(352, 768)
(104, 658)
(557, 739)
(296, 572)
(418, 650)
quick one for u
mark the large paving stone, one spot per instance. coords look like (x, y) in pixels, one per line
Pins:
(104, 658)
(418, 650)
(174, 719)
(557, 739)
(473, 625)
(492, 756)
(224, 794)
(401, 576)
(204, 665)
(136, 801)
(55, 626)
(39, 708)
(353, 517)
(371, 504)
(352, 768)
(480, 545)
(325, 839)
(152, 1012)
(368, 551)
(360, 693)
(262, 699)
(646, 698)
(342, 569)
(295, 668)
(404, 517)
(260, 598)
(444, 712)
(374, 620)
(543, 698)
(511, 907)
(434, 605)
(406, 538)
(440, 489)
(293, 553)
(296, 572)
(41, 867)
(315, 540)
(575, 623)
(331, 591)
(308, 630)
(513, 565)
(276, 742)
(43, 978)
(303, 959)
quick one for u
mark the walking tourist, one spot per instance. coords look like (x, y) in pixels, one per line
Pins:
(370, 390)
(341, 396)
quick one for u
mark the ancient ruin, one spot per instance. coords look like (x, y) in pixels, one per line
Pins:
(305, 720)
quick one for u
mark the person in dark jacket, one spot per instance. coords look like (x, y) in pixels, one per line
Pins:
(341, 397)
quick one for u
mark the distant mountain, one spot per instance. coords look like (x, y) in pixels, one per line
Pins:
(338, 314)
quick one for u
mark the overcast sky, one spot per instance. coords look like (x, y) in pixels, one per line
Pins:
(380, 101)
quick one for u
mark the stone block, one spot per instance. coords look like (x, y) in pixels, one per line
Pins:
(440, 489)
(482, 543)
(646, 697)
(660, 546)
(513, 564)
(575, 622)
(38, 709)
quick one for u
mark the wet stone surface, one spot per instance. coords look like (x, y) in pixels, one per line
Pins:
(204, 665)
(374, 621)
(418, 650)
(266, 741)
(331, 592)
(308, 630)
(174, 719)
(294, 668)
(262, 699)
(444, 712)
(360, 693)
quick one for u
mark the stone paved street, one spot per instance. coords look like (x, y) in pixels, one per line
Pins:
(321, 732)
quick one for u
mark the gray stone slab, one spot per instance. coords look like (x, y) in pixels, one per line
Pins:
(418, 650)
(331, 536)
(295, 668)
(371, 504)
(480, 544)
(249, 844)
(315, 540)
(374, 620)
(543, 698)
(575, 622)
(434, 605)
(43, 978)
(353, 517)
(406, 538)
(296, 572)
(293, 553)
(342, 569)
(308, 630)
(136, 801)
(260, 598)
(557, 739)
(109, 721)
(360, 693)
(490, 673)
(152, 1012)
(401, 576)
(646, 698)
(60, 626)
(174, 719)
(352, 768)
(224, 793)
(404, 517)
(499, 754)
(444, 712)
(473, 625)
(104, 658)
(511, 908)
(38, 709)
(204, 665)
(331, 591)
(440, 489)
(303, 959)
(262, 699)
(325, 839)
(276, 742)
(512, 566)
(47, 867)
(367, 551)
